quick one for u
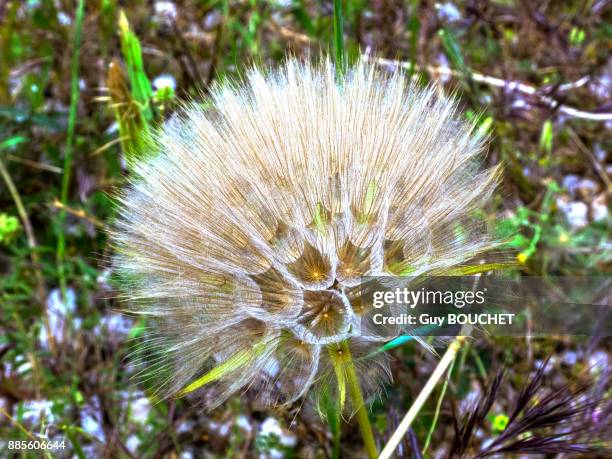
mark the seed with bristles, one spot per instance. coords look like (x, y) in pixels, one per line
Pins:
(245, 238)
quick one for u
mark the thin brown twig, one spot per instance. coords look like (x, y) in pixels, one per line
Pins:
(80, 213)
(289, 34)
(34, 164)
(511, 86)
(109, 144)
(17, 424)
(27, 225)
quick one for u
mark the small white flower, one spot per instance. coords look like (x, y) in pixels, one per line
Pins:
(165, 10)
(140, 409)
(63, 19)
(132, 443)
(447, 11)
(575, 212)
(59, 310)
(164, 81)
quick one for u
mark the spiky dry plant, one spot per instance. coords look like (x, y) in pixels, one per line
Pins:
(541, 421)
(244, 239)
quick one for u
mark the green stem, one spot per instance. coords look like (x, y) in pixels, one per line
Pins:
(432, 427)
(339, 51)
(481, 368)
(74, 98)
(358, 402)
(332, 409)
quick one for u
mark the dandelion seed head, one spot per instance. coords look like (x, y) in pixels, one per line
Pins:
(248, 233)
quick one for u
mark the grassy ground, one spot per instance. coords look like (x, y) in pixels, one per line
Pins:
(79, 87)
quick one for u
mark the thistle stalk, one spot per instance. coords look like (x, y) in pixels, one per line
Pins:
(68, 151)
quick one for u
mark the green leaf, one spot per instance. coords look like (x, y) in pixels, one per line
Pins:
(370, 195)
(9, 226)
(320, 217)
(452, 49)
(476, 269)
(330, 408)
(485, 126)
(341, 377)
(546, 137)
(78, 450)
(12, 142)
(576, 36)
(236, 361)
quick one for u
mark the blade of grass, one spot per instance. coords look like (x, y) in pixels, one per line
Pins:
(41, 292)
(434, 422)
(331, 409)
(233, 363)
(17, 424)
(403, 339)
(477, 269)
(302, 17)
(414, 26)
(74, 99)
(453, 50)
(479, 363)
(339, 48)
(12, 142)
(78, 450)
